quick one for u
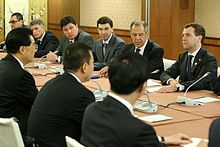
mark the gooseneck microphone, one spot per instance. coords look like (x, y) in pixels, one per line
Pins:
(99, 93)
(188, 101)
(39, 64)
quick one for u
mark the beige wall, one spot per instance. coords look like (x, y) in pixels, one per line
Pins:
(207, 14)
(122, 12)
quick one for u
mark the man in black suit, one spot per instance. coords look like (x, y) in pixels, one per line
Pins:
(17, 86)
(71, 34)
(216, 87)
(111, 122)
(58, 109)
(214, 133)
(151, 51)
(45, 40)
(108, 46)
(191, 64)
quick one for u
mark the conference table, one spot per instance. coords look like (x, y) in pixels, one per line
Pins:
(193, 121)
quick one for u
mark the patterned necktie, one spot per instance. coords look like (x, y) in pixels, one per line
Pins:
(104, 48)
(189, 75)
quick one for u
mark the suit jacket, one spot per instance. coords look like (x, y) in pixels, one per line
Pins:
(153, 55)
(114, 47)
(17, 91)
(203, 62)
(214, 133)
(216, 87)
(109, 123)
(58, 111)
(48, 43)
(81, 37)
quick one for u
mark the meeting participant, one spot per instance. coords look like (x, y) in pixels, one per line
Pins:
(216, 88)
(108, 46)
(152, 52)
(17, 21)
(111, 121)
(192, 64)
(71, 34)
(17, 86)
(45, 40)
(214, 133)
(58, 109)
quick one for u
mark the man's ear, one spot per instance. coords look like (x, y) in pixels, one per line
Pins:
(84, 67)
(22, 50)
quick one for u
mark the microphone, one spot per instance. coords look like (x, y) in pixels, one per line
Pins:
(40, 65)
(99, 93)
(187, 101)
(146, 106)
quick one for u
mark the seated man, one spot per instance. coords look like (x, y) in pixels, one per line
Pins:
(216, 88)
(111, 122)
(142, 45)
(45, 40)
(17, 86)
(191, 65)
(108, 46)
(71, 34)
(214, 133)
(58, 109)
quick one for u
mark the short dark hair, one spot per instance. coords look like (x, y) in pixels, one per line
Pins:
(16, 38)
(18, 15)
(75, 55)
(198, 30)
(127, 72)
(104, 20)
(66, 20)
(36, 22)
(139, 23)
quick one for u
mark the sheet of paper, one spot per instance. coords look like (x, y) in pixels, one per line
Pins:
(207, 99)
(152, 83)
(155, 118)
(153, 89)
(195, 142)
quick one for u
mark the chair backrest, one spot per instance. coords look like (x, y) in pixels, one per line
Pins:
(10, 135)
(167, 63)
(70, 142)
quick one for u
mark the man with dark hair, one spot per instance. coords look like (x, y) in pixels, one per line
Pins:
(58, 109)
(111, 122)
(214, 133)
(45, 40)
(142, 45)
(216, 87)
(71, 34)
(192, 64)
(108, 46)
(16, 21)
(17, 86)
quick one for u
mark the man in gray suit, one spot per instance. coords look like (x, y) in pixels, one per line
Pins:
(71, 34)
(108, 46)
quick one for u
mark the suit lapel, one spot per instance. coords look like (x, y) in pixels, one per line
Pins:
(197, 59)
(183, 67)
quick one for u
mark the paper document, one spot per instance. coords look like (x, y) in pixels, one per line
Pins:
(195, 142)
(154, 89)
(207, 99)
(152, 83)
(155, 118)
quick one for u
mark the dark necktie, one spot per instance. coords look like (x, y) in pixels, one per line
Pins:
(104, 48)
(189, 74)
(137, 50)
(38, 42)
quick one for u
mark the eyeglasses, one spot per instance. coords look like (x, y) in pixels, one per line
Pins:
(13, 21)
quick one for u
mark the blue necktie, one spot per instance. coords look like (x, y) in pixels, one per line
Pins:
(189, 75)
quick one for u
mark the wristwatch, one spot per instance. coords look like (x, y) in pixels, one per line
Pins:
(179, 87)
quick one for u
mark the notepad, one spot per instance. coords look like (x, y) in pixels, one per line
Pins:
(195, 142)
(154, 89)
(152, 83)
(155, 118)
(207, 99)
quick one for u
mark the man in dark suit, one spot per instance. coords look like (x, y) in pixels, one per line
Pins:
(216, 87)
(17, 86)
(17, 21)
(111, 122)
(214, 133)
(58, 109)
(192, 64)
(108, 46)
(151, 51)
(71, 34)
(45, 40)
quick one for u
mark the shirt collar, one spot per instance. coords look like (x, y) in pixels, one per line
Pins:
(123, 101)
(107, 41)
(41, 38)
(75, 77)
(142, 48)
(19, 61)
(194, 53)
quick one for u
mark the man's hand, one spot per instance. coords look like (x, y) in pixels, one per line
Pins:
(104, 71)
(51, 57)
(177, 139)
(169, 88)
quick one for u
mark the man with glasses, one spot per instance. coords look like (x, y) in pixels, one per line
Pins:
(17, 86)
(16, 21)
